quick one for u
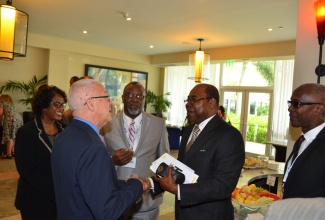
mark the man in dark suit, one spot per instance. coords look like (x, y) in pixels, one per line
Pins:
(85, 182)
(305, 168)
(217, 155)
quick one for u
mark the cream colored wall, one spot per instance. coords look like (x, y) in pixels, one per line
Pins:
(60, 65)
(307, 51)
(65, 65)
(23, 69)
(61, 59)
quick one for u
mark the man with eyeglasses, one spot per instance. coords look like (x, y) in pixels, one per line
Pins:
(135, 139)
(215, 151)
(305, 167)
(84, 177)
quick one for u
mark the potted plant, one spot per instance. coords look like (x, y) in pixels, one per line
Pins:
(28, 89)
(159, 102)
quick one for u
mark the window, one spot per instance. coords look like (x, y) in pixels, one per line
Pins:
(255, 91)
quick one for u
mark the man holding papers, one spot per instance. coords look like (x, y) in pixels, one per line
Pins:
(215, 151)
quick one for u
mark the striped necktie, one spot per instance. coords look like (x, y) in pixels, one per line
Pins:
(196, 131)
(132, 133)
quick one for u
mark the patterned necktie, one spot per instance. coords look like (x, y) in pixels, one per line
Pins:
(132, 133)
(195, 133)
(297, 146)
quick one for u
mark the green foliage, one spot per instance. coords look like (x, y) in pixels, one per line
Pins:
(257, 127)
(263, 110)
(159, 102)
(28, 89)
(266, 69)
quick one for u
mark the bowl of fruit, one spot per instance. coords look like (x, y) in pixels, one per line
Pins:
(253, 197)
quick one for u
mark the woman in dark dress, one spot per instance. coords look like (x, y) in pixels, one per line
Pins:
(35, 193)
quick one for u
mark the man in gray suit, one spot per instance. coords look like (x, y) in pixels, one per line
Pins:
(135, 139)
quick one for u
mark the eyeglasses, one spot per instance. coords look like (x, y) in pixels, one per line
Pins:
(58, 104)
(100, 97)
(132, 95)
(298, 104)
(193, 100)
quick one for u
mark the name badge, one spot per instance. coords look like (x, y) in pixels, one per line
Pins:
(132, 163)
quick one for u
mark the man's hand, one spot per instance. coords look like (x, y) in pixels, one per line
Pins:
(168, 182)
(122, 156)
(145, 181)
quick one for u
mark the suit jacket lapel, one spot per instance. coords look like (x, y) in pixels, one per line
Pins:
(185, 136)
(203, 136)
(120, 128)
(42, 135)
(144, 129)
(314, 144)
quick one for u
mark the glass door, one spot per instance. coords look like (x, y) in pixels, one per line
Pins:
(248, 111)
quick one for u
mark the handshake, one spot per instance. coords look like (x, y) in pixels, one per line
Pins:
(145, 182)
(162, 171)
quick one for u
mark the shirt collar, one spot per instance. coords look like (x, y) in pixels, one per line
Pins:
(93, 126)
(311, 134)
(205, 122)
(127, 120)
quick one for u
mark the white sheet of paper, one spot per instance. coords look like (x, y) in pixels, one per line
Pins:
(190, 176)
(132, 163)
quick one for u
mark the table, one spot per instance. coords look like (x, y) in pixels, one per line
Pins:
(280, 150)
(249, 176)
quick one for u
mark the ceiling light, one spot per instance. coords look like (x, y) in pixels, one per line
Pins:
(126, 16)
(151, 46)
(199, 63)
(270, 29)
(85, 32)
(13, 32)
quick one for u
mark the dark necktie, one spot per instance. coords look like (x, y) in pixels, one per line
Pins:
(196, 131)
(296, 147)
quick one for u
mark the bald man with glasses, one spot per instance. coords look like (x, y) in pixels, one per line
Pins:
(84, 177)
(304, 175)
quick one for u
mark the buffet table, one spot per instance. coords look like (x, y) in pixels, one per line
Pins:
(250, 175)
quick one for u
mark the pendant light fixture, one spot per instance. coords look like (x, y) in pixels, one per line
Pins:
(199, 63)
(13, 32)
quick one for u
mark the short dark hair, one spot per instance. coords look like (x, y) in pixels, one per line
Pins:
(44, 96)
(212, 91)
(133, 83)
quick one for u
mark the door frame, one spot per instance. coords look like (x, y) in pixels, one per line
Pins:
(245, 90)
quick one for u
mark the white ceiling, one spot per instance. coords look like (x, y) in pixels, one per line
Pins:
(169, 25)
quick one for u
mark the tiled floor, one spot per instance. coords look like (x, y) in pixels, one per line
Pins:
(8, 172)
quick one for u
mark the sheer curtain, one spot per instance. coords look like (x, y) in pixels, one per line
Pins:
(179, 86)
(283, 78)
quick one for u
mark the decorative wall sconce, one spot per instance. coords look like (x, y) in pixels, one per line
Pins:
(320, 21)
(13, 32)
(199, 64)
